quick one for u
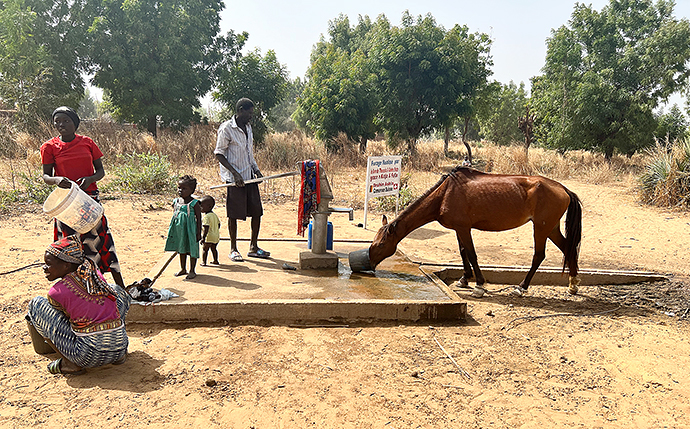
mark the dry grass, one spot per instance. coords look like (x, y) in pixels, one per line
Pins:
(191, 152)
(583, 165)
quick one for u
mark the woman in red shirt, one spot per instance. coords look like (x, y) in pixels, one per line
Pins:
(75, 158)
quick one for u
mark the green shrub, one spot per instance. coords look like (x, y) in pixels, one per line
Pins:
(8, 199)
(35, 189)
(142, 173)
(30, 189)
(406, 197)
(666, 180)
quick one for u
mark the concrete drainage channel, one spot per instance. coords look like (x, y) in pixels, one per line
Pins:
(503, 275)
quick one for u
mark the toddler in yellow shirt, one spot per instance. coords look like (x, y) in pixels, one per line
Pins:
(210, 235)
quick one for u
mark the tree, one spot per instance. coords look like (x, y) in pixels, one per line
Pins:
(526, 125)
(155, 58)
(501, 112)
(473, 50)
(426, 76)
(280, 116)
(605, 73)
(671, 126)
(23, 60)
(41, 48)
(88, 107)
(338, 96)
(260, 78)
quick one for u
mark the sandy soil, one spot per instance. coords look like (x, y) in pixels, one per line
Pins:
(610, 357)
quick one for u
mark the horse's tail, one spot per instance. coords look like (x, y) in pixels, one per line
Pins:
(573, 233)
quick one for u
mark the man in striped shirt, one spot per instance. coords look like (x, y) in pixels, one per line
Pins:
(234, 151)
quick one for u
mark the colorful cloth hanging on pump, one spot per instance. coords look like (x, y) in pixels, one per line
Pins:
(310, 194)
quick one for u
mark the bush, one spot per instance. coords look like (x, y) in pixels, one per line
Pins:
(142, 173)
(406, 197)
(31, 189)
(8, 199)
(35, 189)
(666, 180)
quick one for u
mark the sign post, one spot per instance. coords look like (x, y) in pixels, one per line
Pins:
(383, 178)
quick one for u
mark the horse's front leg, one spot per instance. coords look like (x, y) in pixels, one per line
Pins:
(467, 275)
(469, 261)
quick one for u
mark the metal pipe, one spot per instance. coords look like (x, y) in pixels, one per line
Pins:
(294, 240)
(258, 179)
(350, 211)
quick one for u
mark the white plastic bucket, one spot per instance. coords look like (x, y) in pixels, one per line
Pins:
(73, 207)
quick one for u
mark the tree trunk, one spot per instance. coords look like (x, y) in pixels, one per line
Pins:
(608, 153)
(528, 142)
(363, 145)
(526, 125)
(151, 123)
(467, 145)
(412, 147)
(446, 139)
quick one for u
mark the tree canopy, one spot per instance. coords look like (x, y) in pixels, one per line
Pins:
(338, 96)
(500, 112)
(605, 73)
(42, 54)
(671, 126)
(403, 80)
(155, 59)
(260, 78)
(426, 75)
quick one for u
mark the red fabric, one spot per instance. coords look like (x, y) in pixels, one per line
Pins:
(98, 246)
(310, 194)
(72, 160)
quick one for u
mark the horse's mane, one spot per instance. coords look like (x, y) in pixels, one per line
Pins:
(456, 170)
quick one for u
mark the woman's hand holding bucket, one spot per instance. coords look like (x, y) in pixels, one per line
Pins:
(60, 181)
(84, 182)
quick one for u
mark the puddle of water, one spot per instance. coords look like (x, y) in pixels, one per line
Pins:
(395, 278)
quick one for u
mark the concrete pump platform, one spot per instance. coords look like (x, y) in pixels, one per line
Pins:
(264, 291)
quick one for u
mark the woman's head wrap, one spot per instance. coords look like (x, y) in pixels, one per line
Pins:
(69, 112)
(69, 249)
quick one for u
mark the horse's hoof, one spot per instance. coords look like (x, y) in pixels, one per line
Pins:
(518, 291)
(572, 289)
(462, 284)
(572, 285)
(478, 292)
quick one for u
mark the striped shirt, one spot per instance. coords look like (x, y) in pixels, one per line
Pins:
(237, 148)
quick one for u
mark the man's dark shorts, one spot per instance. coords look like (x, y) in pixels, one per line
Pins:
(244, 202)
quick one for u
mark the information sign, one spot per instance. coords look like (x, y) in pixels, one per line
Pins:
(383, 178)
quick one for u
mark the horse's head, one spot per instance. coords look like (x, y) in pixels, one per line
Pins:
(381, 248)
(383, 245)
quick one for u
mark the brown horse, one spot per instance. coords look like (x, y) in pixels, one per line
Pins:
(467, 198)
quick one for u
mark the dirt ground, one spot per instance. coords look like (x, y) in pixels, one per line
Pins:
(612, 356)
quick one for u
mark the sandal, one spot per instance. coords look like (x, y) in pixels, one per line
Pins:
(55, 367)
(259, 253)
(235, 256)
